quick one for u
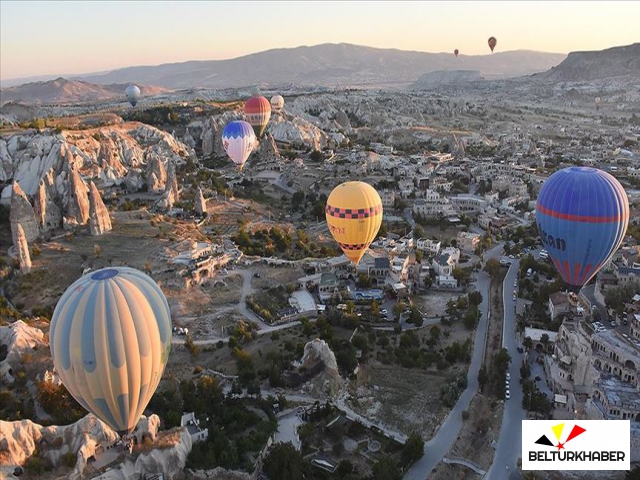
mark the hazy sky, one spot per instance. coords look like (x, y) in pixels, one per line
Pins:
(40, 38)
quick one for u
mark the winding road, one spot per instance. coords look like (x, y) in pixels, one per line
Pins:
(436, 448)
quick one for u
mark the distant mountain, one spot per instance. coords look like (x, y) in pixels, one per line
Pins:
(327, 64)
(63, 91)
(584, 66)
(446, 77)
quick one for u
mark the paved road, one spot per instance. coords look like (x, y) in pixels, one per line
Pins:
(509, 447)
(436, 448)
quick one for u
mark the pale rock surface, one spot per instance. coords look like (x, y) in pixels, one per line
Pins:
(328, 382)
(172, 182)
(83, 438)
(99, 220)
(133, 181)
(156, 173)
(22, 213)
(200, 202)
(268, 150)
(24, 257)
(188, 139)
(19, 338)
(212, 133)
(47, 212)
(77, 200)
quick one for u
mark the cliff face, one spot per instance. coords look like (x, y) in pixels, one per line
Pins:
(585, 66)
(447, 77)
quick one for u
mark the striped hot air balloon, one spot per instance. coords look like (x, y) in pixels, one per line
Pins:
(354, 216)
(277, 103)
(582, 215)
(110, 340)
(257, 112)
(239, 141)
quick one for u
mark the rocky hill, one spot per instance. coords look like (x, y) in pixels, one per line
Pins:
(586, 66)
(326, 64)
(446, 77)
(63, 91)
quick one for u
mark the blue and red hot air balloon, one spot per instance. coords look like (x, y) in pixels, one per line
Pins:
(582, 215)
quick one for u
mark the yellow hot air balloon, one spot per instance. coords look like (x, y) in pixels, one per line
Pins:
(354, 215)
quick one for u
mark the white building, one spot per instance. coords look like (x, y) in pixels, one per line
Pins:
(429, 246)
(192, 425)
(468, 241)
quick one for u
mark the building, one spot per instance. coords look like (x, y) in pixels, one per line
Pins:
(388, 198)
(468, 241)
(536, 334)
(428, 246)
(469, 203)
(558, 305)
(518, 189)
(192, 425)
(329, 286)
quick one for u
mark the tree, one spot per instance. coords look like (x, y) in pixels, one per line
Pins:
(544, 339)
(97, 250)
(375, 308)
(419, 256)
(386, 469)
(492, 267)
(316, 156)
(528, 343)
(345, 467)
(475, 298)
(413, 449)
(284, 462)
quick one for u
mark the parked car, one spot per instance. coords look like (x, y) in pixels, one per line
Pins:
(384, 311)
(507, 395)
(508, 376)
(515, 283)
(520, 350)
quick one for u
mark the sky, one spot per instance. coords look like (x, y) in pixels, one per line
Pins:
(74, 37)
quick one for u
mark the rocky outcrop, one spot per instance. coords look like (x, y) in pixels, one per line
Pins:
(133, 181)
(47, 212)
(268, 150)
(446, 77)
(289, 128)
(22, 213)
(200, 202)
(328, 382)
(22, 248)
(343, 120)
(168, 461)
(19, 338)
(77, 200)
(84, 439)
(172, 183)
(188, 139)
(212, 133)
(156, 174)
(99, 220)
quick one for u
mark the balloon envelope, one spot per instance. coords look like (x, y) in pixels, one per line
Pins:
(277, 103)
(455, 52)
(582, 215)
(354, 216)
(492, 43)
(257, 111)
(239, 141)
(133, 94)
(110, 339)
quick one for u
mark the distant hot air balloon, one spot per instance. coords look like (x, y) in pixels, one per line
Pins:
(239, 141)
(455, 52)
(133, 94)
(257, 111)
(492, 43)
(582, 215)
(598, 99)
(277, 103)
(354, 216)
(110, 339)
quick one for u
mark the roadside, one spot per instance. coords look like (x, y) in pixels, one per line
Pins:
(496, 319)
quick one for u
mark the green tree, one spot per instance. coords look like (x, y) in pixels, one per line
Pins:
(386, 469)
(413, 449)
(492, 267)
(375, 308)
(284, 462)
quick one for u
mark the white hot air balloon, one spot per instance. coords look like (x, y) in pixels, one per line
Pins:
(277, 103)
(133, 94)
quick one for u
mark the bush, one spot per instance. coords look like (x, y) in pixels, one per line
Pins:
(465, 415)
(69, 459)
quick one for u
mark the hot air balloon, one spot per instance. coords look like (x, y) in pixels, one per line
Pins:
(354, 215)
(277, 103)
(455, 52)
(110, 339)
(492, 43)
(133, 94)
(582, 215)
(239, 141)
(257, 111)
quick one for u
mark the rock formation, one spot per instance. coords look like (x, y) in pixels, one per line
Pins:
(328, 382)
(133, 181)
(172, 183)
(85, 438)
(99, 220)
(212, 133)
(77, 201)
(22, 213)
(200, 202)
(188, 139)
(19, 338)
(47, 212)
(268, 150)
(156, 174)
(22, 248)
